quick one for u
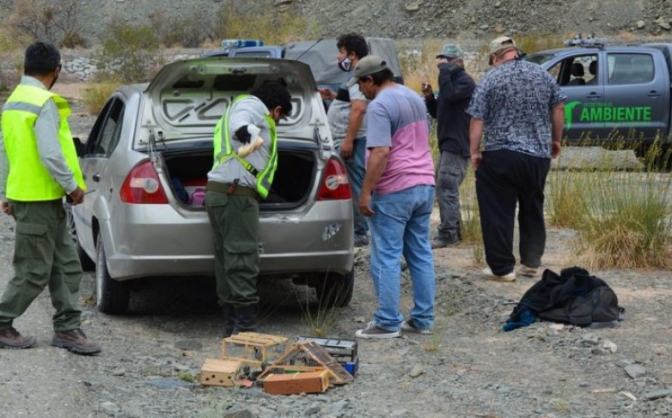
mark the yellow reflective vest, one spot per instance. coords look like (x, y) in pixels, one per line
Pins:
(28, 179)
(264, 177)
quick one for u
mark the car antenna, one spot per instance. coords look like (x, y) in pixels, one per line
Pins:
(311, 47)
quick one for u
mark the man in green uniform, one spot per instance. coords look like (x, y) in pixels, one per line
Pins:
(245, 144)
(38, 167)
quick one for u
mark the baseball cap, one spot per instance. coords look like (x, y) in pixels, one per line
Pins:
(368, 65)
(501, 44)
(450, 51)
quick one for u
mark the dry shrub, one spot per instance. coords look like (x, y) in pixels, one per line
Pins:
(57, 22)
(274, 27)
(190, 31)
(129, 52)
(11, 57)
(95, 96)
(627, 219)
(420, 66)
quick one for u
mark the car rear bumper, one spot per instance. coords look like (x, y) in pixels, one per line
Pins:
(165, 242)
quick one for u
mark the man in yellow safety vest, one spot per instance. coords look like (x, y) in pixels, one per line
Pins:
(38, 167)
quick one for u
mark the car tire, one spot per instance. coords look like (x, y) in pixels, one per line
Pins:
(112, 296)
(87, 263)
(335, 290)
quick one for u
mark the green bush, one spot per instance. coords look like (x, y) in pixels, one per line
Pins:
(129, 52)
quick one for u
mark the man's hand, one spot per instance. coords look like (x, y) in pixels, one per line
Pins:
(346, 148)
(76, 197)
(5, 208)
(476, 159)
(448, 66)
(427, 90)
(555, 151)
(327, 94)
(364, 204)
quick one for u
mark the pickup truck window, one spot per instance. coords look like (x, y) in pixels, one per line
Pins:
(577, 70)
(630, 68)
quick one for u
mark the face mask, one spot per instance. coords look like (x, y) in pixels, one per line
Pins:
(345, 64)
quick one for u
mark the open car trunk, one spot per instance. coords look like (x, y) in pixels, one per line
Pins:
(293, 181)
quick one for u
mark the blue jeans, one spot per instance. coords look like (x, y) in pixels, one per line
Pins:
(400, 225)
(356, 167)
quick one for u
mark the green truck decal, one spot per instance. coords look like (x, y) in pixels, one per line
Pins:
(601, 112)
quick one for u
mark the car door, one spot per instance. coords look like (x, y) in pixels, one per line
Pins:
(636, 96)
(102, 141)
(585, 92)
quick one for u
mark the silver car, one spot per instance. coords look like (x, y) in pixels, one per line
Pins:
(146, 162)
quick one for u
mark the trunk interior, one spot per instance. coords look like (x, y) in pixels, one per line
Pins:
(188, 173)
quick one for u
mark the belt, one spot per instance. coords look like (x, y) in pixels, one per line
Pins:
(238, 191)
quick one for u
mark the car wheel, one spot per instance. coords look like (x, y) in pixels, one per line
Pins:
(84, 259)
(112, 296)
(335, 290)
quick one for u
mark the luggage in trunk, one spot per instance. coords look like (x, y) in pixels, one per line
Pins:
(188, 174)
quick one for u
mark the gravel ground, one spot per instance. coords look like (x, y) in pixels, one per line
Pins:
(469, 368)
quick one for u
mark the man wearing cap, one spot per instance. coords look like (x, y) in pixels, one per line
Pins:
(450, 112)
(518, 109)
(398, 196)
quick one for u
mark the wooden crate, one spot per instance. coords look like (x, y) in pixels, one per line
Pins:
(295, 383)
(216, 372)
(253, 348)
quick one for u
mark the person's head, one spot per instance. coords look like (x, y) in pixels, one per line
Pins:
(451, 54)
(502, 49)
(372, 74)
(351, 48)
(277, 99)
(42, 61)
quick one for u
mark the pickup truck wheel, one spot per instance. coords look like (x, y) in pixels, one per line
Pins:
(335, 290)
(84, 259)
(112, 296)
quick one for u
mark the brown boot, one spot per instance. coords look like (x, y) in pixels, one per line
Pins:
(75, 341)
(11, 338)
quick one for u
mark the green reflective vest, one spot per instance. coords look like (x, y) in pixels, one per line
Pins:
(264, 177)
(28, 179)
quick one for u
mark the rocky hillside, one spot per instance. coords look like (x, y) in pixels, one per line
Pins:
(416, 18)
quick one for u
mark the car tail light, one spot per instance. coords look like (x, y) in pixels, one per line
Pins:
(142, 185)
(335, 184)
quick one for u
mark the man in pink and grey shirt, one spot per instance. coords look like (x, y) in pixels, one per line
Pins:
(398, 196)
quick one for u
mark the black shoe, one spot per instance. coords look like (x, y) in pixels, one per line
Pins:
(439, 243)
(361, 240)
(229, 319)
(246, 318)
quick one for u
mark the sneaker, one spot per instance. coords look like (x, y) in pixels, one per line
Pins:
(75, 341)
(11, 338)
(372, 331)
(525, 271)
(361, 240)
(488, 274)
(409, 326)
(439, 243)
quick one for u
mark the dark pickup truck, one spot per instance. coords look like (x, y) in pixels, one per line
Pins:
(613, 92)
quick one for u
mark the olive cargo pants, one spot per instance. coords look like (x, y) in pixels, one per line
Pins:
(235, 231)
(44, 254)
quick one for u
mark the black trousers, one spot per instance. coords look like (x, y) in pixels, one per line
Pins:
(503, 179)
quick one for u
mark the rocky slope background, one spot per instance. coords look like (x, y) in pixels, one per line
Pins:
(409, 18)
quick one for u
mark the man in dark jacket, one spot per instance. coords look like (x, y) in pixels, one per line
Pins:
(449, 109)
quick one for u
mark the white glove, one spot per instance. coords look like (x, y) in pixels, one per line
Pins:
(248, 149)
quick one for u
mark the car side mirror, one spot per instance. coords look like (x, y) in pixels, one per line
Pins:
(80, 147)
